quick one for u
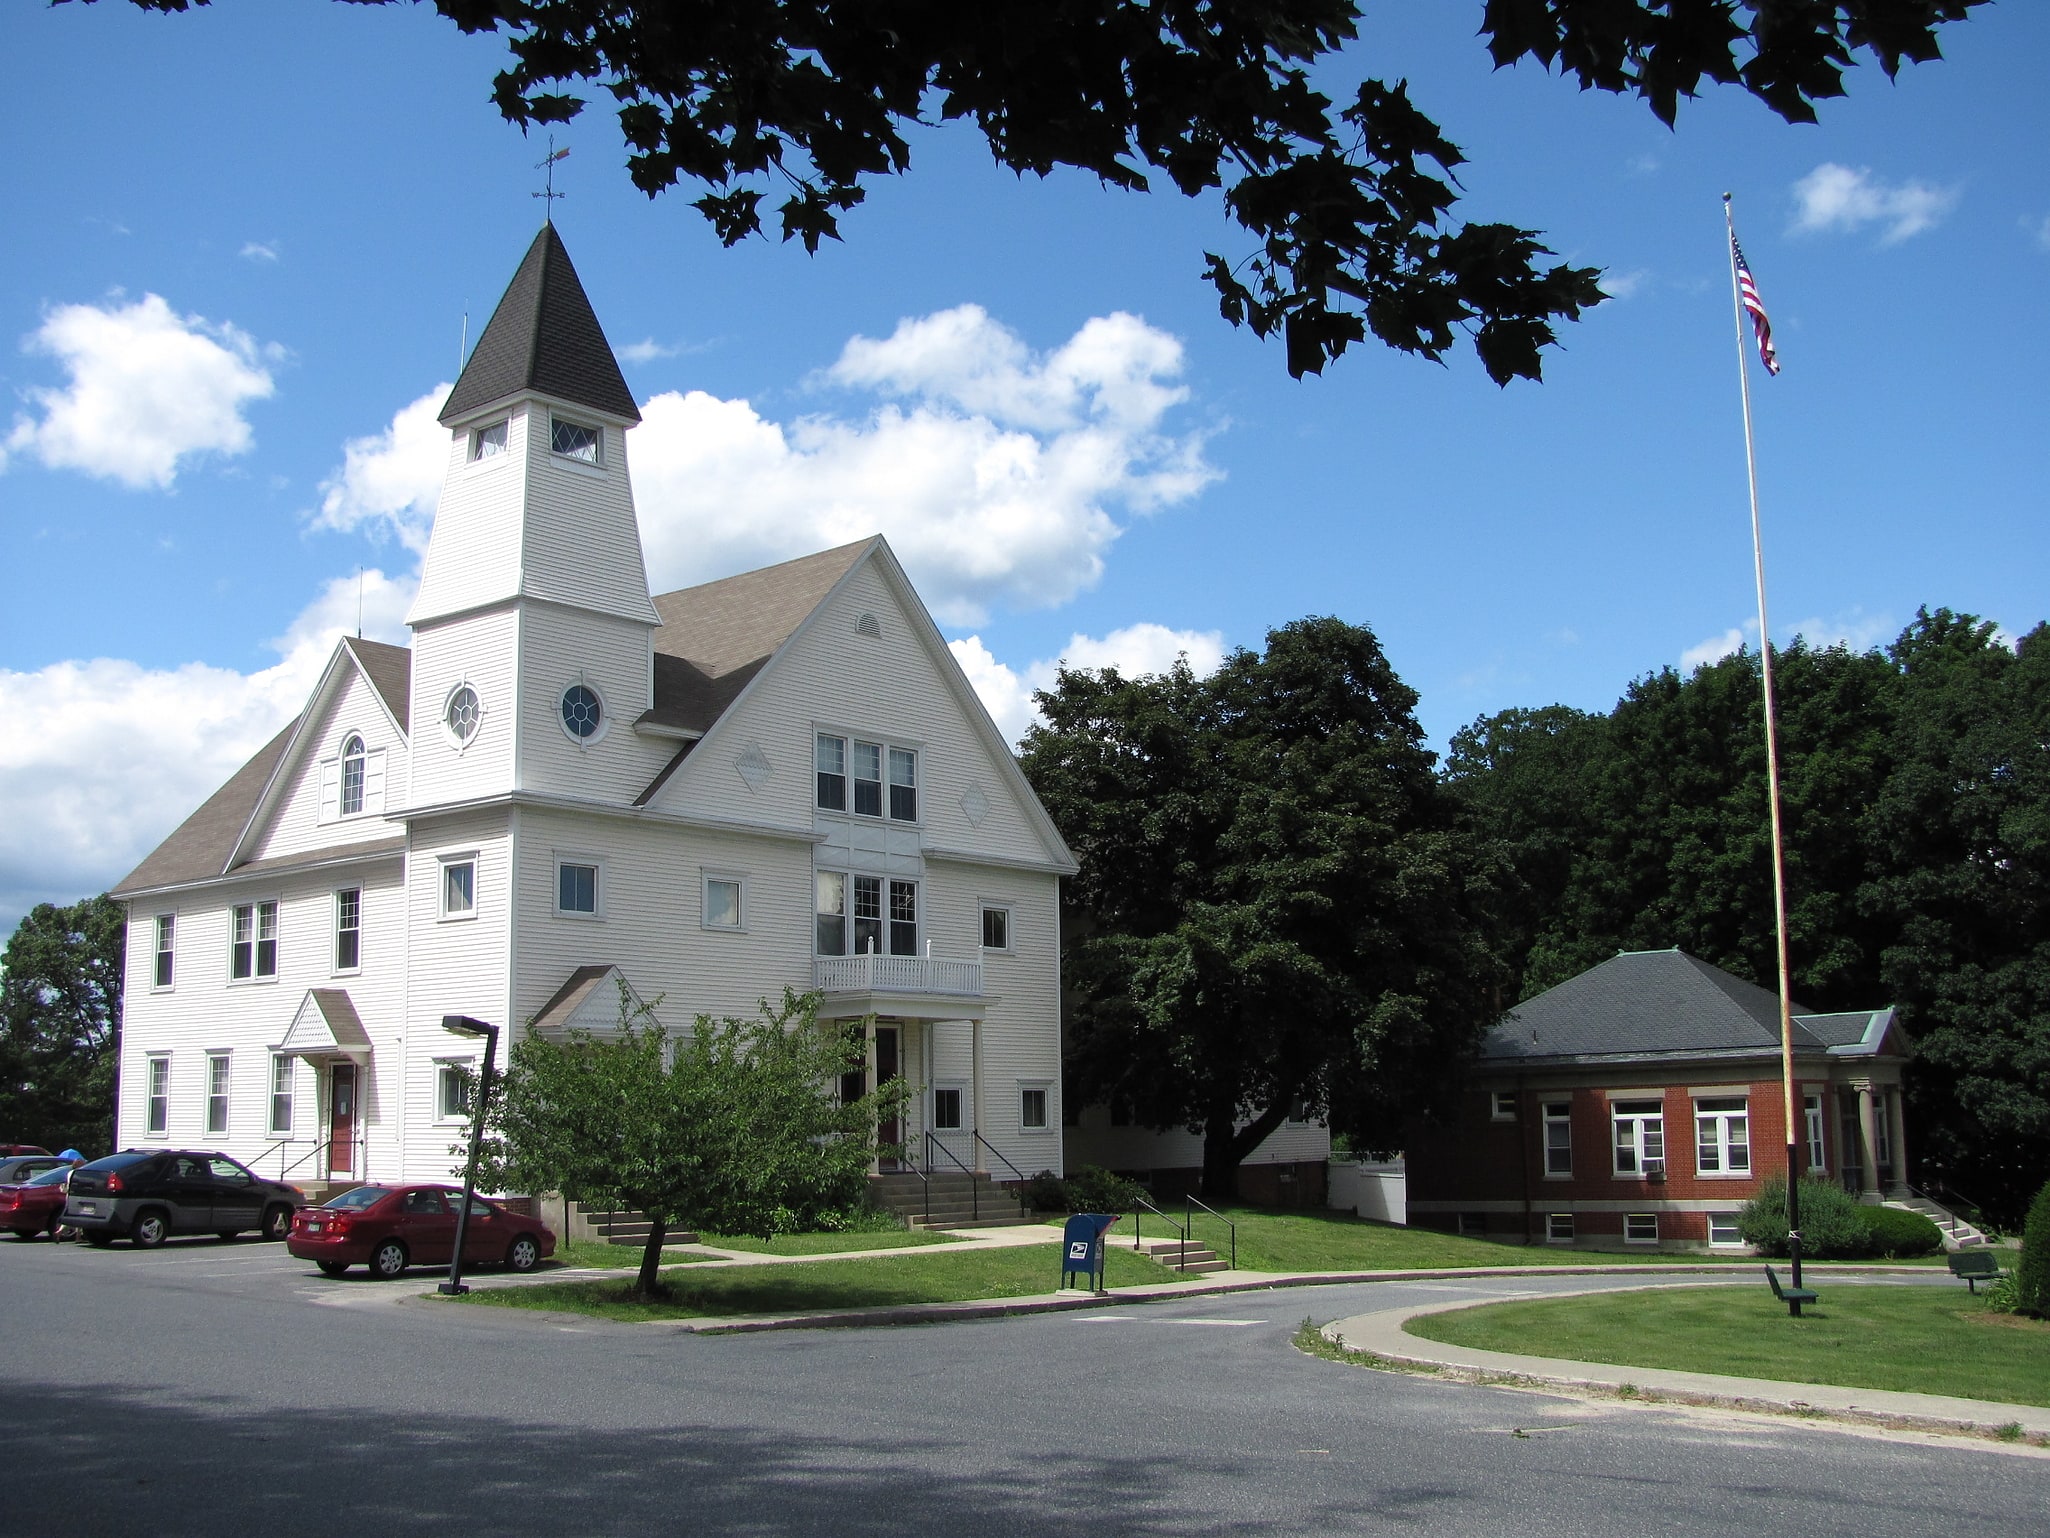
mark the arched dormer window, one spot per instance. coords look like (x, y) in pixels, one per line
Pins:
(352, 775)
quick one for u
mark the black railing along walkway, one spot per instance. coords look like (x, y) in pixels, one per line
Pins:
(974, 1204)
(1182, 1256)
(1194, 1203)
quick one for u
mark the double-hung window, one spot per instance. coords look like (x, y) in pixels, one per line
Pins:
(280, 1095)
(996, 928)
(253, 951)
(157, 1107)
(576, 889)
(1811, 1113)
(459, 888)
(1558, 1138)
(217, 1078)
(348, 929)
(353, 759)
(1640, 1136)
(858, 915)
(452, 1090)
(869, 779)
(164, 969)
(1722, 1136)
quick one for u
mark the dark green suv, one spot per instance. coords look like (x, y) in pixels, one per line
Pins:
(149, 1194)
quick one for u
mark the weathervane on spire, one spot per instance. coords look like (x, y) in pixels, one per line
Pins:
(549, 195)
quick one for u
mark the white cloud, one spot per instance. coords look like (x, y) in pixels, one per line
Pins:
(389, 482)
(1840, 198)
(148, 389)
(1135, 651)
(1716, 647)
(647, 350)
(2041, 228)
(260, 251)
(1626, 285)
(993, 474)
(107, 757)
(1857, 630)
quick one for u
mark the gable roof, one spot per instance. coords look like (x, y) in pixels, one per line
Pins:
(544, 337)
(716, 637)
(390, 671)
(1648, 1004)
(326, 1025)
(588, 1000)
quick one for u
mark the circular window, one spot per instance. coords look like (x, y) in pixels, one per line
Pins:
(462, 713)
(582, 715)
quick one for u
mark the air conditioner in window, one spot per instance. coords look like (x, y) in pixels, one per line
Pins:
(1654, 1169)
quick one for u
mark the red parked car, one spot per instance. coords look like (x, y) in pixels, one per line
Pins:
(389, 1228)
(37, 1204)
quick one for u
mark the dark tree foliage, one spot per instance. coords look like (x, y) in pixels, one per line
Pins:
(1916, 784)
(1348, 202)
(60, 1025)
(1277, 902)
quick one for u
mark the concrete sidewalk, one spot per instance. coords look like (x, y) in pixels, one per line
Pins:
(1381, 1333)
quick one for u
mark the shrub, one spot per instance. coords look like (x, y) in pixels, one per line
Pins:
(1894, 1232)
(1831, 1228)
(1046, 1192)
(1097, 1190)
(2032, 1274)
(2001, 1296)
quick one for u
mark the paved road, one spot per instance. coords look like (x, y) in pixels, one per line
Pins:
(225, 1389)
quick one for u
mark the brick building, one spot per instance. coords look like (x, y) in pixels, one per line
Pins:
(1639, 1104)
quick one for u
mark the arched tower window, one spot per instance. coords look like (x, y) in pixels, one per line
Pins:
(352, 775)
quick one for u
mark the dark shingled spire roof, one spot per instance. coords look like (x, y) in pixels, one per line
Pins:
(543, 337)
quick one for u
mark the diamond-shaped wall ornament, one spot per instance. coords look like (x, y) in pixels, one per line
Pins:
(754, 766)
(974, 805)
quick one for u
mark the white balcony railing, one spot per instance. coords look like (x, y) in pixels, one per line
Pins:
(871, 973)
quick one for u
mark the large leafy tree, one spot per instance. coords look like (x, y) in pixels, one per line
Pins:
(1347, 201)
(60, 1024)
(1276, 906)
(736, 1126)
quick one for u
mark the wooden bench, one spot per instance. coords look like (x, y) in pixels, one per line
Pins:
(1793, 1297)
(1976, 1266)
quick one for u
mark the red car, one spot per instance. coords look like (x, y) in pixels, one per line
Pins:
(36, 1205)
(389, 1228)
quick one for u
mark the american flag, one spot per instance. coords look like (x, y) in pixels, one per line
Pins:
(1748, 291)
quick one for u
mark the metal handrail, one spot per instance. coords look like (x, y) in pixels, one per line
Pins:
(1195, 1202)
(974, 1203)
(1182, 1259)
(986, 1143)
(1956, 1197)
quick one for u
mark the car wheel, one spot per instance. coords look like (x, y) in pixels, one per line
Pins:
(98, 1238)
(228, 1233)
(277, 1220)
(524, 1254)
(389, 1260)
(332, 1267)
(151, 1229)
(29, 1233)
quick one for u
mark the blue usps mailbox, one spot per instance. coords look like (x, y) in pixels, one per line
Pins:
(1082, 1248)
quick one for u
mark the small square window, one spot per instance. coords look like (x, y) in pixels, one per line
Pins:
(1558, 1228)
(722, 902)
(573, 440)
(576, 889)
(452, 1090)
(488, 442)
(1502, 1105)
(996, 929)
(946, 1110)
(1641, 1228)
(1722, 1228)
(1473, 1225)
(1032, 1109)
(459, 889)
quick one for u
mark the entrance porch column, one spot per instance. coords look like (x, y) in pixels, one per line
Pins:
(1897, 1129)
(1868, 1146)
(868, 1077)
(975, 1088)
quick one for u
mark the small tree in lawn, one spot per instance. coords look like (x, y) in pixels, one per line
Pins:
(735, 1126)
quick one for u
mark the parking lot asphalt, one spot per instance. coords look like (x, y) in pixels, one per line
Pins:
(225, 1389)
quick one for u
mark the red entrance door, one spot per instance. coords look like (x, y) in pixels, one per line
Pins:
(341, 1119)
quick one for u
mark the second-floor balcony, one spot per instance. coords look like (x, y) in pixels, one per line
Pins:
(880, 980)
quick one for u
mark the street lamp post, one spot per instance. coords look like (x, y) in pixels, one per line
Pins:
(463, 1025)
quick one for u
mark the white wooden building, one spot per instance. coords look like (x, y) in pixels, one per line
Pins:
(778, 779)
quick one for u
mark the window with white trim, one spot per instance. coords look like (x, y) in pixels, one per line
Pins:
(851, 777)
(1722, 1136)
(860, 915)
(459, 887)
(1502, 1105)
(253, 941)
(1558, 1139)
(352, 775)
(573, 440)
(281, 1085)
(488, 442)
(996, 928)
(1722, 1228)
(576, 889)
(946, 1110)
(1640, 1228)
(453, 1080)
(582, 713)
(157, 1096)
(1558, 1228)
(722, 901)
(163, 968)
(1811, 1114)
(349, 929)
(218, 1077)
(461, 714)
(1640, 1141)
(1032, 1115)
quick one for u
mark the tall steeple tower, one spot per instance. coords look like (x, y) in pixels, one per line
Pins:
(534, 568)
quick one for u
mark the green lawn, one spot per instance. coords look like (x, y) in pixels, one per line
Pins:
(1924, 1340)
(825, 1244)
(584, 1254)
(829, 1284)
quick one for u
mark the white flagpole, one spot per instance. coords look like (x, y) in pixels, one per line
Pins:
(1772, 781)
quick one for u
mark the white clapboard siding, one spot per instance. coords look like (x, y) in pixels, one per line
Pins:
(561, 647)
(305, 813)
(581, 544)
(480, 650)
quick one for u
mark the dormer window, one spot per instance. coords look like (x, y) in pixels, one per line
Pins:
(352, 775)
(573, 440)
(488, 442)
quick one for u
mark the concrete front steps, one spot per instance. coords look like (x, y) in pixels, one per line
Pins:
(1190, 1257)
(1957, 1233)
(955, 1200)
(629, 1229)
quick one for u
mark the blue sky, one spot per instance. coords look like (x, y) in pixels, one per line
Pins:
(240, 245)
